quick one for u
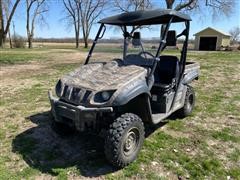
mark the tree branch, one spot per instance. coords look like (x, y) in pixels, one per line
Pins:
(11, 15)
(184, 5)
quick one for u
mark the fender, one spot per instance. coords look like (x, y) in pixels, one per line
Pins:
(129, 92)
(190, 76)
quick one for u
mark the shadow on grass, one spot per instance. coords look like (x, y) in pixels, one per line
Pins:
(43, 149)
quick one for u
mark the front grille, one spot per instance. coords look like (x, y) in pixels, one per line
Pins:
(75, 95)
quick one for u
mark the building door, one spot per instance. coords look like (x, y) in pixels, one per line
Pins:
(208, 43)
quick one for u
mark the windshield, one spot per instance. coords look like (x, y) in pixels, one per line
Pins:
(111, 45)
(139, 47)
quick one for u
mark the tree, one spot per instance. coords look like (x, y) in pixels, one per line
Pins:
(132, 5)
(235, 34)
(215, 7)
(4, 28)
(90, 10)
(1, 24)
(6, 6)
(35, 10)
(72, 10)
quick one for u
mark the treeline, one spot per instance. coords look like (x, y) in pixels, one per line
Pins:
(113, 40)
(81, 15)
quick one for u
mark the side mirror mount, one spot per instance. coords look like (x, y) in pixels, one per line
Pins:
(171, 38)
(136, 39)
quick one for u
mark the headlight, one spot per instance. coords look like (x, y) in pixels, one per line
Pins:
(103, 96)
(58, 88)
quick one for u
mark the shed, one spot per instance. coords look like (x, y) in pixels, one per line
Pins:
(210, 39)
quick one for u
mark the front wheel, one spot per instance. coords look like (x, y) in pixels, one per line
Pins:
(124, 140)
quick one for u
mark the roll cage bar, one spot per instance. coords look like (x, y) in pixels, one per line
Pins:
(161, 46)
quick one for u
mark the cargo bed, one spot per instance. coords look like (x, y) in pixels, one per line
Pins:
(192, 71)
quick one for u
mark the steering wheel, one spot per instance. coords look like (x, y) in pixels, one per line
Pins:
(146, 53)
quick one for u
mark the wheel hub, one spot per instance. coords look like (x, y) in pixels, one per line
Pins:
(131, 141)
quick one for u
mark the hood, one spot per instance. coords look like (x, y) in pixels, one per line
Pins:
(104, 76)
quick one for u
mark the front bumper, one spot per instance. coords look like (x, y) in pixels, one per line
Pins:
(79, 116)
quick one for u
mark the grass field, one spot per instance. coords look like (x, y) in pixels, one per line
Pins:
(205, 145)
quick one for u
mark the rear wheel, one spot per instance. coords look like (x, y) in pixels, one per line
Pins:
(189, 103)
(124, 140)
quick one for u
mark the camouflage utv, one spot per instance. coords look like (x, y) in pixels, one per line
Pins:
(121, 96)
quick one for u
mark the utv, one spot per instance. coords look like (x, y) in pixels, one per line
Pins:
(119, 97)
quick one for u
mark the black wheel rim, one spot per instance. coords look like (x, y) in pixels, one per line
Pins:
(131, 141)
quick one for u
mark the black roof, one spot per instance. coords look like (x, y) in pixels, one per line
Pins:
(147, 17)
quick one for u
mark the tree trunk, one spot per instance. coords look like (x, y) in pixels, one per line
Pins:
(10, 39)
(3, 32)
(85, 42)
(77, 42)
(1, 38)
(77, 37)
(4, 36)
(1, 25)
(30, 42)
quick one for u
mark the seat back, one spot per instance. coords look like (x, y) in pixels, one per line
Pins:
(135, 59)
(167, 70)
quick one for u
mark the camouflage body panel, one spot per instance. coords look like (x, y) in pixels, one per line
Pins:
(104, 76)
(125, 81)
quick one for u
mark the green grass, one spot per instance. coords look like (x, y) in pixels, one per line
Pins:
(20, 56)
(2, 134)
(177, 125)
(202, 146)
(225, 135)
(235, 155)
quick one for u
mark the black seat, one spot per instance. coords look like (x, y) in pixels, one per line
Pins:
(135, 59)
(167, 72)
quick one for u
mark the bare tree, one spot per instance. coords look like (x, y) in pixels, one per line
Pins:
(6, 5)
(132, 5)
(235, 34)
(90, 10)
(4, 27)
(215, 7)
(72, 10)
(35, 10)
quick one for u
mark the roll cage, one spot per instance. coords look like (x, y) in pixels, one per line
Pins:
(141, 18)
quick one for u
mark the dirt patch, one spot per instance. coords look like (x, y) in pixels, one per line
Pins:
(222, 150)
(12, 85)
(217, 123)
(10, 70)
(175, 134)
(160, 170)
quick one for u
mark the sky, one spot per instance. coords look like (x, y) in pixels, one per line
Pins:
(57, 28)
